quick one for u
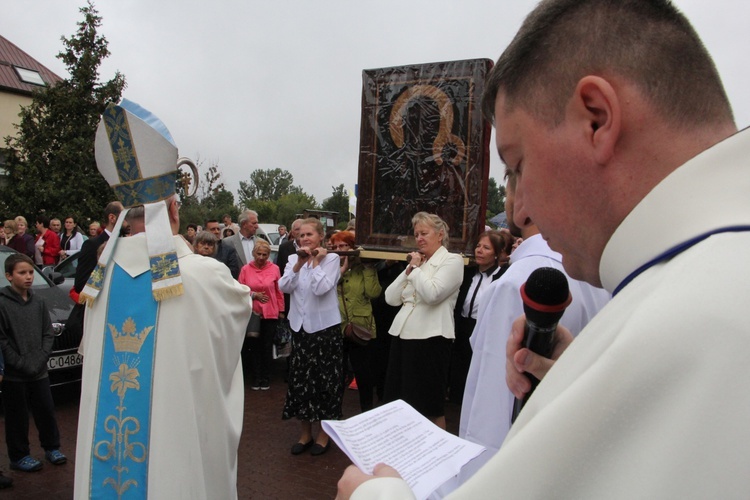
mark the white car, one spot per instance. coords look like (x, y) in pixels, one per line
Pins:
(269, 232)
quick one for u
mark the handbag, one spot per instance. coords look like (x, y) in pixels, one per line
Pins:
(283, 333)
(352, 332)
(253, 326)
(282, 340)
(357, 334)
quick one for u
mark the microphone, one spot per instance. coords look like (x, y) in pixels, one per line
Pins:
(545, 296)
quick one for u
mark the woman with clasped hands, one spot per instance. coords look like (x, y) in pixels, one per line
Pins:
(424, 327)
(315, 366)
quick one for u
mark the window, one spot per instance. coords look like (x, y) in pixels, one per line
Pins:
(29, 76)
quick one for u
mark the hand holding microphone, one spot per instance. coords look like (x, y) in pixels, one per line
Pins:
(545, 296)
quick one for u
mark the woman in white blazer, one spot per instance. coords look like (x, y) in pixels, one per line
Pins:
(423, 328)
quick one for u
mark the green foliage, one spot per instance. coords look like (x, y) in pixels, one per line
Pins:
(274, 196)
(265, 185)
(51, 167)
(266, 210)
(338, 202)
(211, 201)
(495, 198)
(288, 206)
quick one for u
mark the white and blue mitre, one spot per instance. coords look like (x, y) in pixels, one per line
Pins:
(138, 157)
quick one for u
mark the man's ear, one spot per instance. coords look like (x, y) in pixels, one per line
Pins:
(174, 210)
(599, 106)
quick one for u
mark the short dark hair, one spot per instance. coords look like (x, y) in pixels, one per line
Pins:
(648, 42)
(112, 208)
(43, 220)
(208, 221)
(195, 227)
(14, 259)
(136, 213)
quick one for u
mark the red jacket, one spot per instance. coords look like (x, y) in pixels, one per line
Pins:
(51, 251)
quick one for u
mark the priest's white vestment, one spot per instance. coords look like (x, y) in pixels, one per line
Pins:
(197, 399)
(651, 400)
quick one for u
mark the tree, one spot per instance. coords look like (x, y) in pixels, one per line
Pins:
(288, 206)
(495, 197)
(211, 201)
(338, 202)
(51, 167)
(273, 195)
(265, 185)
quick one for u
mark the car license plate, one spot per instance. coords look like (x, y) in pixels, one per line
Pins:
(64, 361)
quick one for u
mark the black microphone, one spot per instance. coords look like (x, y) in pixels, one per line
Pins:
(545, 296)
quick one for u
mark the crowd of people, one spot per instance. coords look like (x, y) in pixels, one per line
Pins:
(50, 243)
(420, 317)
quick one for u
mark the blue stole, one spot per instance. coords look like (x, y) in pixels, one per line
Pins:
(119, 465)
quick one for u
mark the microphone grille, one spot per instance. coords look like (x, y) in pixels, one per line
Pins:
(547, 286)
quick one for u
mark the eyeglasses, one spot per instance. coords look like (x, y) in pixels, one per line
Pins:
(341, 246)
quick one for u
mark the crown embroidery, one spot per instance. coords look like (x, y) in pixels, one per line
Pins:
(129, 340)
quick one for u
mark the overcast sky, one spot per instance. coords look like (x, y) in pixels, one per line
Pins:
(251, 84)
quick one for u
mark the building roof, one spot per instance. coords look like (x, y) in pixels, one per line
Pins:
(13, 59)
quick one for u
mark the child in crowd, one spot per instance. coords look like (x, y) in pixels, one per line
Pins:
(26, 341)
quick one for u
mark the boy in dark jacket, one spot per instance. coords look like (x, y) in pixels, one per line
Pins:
(26, 342)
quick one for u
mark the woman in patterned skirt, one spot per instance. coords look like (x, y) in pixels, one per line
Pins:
(315, 367)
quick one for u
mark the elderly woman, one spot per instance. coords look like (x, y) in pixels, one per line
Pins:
(315, 369)
(28, 241)
(491, 257)
(71, 239)
(423, 328)
(357, 287)
(11, 237)
(262, 276)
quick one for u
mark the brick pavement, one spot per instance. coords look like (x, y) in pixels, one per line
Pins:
(266, 470)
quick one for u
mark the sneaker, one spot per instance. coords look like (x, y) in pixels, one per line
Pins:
(5, 482)
(55, 457)
(265, 385)
(255, 386)
(26, 464)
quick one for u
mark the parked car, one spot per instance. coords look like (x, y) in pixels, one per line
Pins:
(67, 268)
(269, 232)
(64, 364)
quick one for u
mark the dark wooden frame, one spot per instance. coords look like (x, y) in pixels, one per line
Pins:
(424, 146)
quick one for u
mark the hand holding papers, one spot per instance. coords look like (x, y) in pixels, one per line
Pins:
(396, 434)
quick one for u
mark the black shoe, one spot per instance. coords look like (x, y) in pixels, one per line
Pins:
(318, 450)
(5, 482)
(300, 448)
